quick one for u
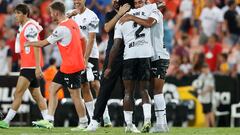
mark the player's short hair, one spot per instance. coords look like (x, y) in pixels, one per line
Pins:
(130, 2)
(59, 6)
(231, 2)
(23, 8)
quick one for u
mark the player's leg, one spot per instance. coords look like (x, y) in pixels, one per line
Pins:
(212, 119)
(22, 85)
(96, 86)
(158, 72)
(87, 94)
(107, 86)
(74, 85)
(37, 96)
(129, 77)
(144, 79)
(80, 108)
(57, 84)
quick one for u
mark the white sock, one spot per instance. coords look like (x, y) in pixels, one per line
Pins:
(10, 115)
(44, 114)
(160, 109)
(106, 113)
(128, 117)
(50, 118)
(83, 119)
(147, 112)
(90, 108)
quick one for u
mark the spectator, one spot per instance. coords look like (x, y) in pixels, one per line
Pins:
(232, 22)
(211, 18)
(223, 64)
(182, 49)
(186, 10)
(168, 30)
(205, 94)
(11, 38)
(226, 7)
(5, 58)
(211, 50)
(198, 6)
(197, 62)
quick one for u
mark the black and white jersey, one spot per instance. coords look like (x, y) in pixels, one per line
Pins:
(136, 38)
(88, 23)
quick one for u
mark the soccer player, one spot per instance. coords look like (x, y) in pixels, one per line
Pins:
(88, 22)
(31, 62)
(136, 66)
(107, 84)
(71, 45)
(159, 62)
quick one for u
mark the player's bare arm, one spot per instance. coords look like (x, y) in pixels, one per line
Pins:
(40, 43)
(113, 53)
(122, 10)
(144, 22)
(38, 71)
(89, 47)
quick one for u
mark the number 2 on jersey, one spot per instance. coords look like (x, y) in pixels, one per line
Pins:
(138, 33)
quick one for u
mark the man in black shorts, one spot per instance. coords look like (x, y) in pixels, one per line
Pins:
(31, 62)
(70, 44)
(108, 84)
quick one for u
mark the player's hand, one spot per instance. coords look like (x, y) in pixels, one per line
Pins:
(38, 72)
(125, 18)
(86, 62)
(123, 9)
(107, 73)
(73, 13)
(161, 5)
(27, 44)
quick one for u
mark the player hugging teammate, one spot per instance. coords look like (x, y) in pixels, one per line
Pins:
(136, 30)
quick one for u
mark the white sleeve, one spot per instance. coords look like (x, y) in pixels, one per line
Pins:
(156, 14)
(56, 35)
(94, 24)
(31, 33)
(118, 32)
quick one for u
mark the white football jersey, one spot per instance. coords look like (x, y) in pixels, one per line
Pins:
(157, 34)
(88, 22)
(136, 38)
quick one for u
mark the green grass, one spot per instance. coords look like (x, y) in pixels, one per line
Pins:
(117, 131)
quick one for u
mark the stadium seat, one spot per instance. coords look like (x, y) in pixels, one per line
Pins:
(234, 113)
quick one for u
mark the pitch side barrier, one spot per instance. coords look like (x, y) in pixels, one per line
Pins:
(177, 92)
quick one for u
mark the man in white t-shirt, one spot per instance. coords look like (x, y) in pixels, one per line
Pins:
(89, 25)
(186, 10)
(159, 61)
(5, 58)
(137, 53)
(211, 19)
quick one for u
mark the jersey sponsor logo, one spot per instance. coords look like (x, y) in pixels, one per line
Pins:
(31, 33)
(83, 27)
(55, 34)
(137, 43)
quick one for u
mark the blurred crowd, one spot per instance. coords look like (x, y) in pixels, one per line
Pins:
(195, 32)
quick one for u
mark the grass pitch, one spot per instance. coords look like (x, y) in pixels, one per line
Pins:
(117, 131)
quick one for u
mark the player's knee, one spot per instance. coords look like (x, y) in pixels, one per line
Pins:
(17, 94)
(95, 85)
